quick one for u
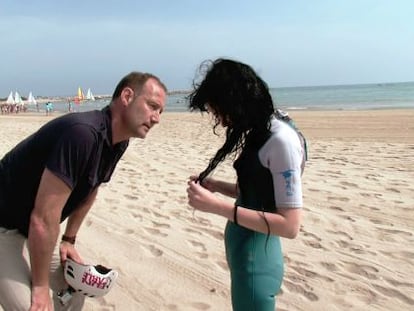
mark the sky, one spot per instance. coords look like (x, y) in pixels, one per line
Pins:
(52, 47)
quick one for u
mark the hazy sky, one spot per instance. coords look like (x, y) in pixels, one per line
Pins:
(52, 47)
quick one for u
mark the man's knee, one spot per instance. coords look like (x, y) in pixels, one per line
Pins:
(15, 297)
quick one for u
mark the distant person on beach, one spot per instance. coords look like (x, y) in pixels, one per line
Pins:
(70, 106)
(49, 108)
(269, 155)
(59, 168)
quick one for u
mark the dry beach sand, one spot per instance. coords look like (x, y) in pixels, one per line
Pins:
(355, 250)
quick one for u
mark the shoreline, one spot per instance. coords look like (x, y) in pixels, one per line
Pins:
(390, 125)
(289, 110)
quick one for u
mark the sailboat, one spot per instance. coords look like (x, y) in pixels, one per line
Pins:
(10, 99)
(16, 102)
(80, 97)
(31, 100)
(17, 98)
(89, 95)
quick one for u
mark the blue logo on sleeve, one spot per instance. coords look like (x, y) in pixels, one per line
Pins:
(287, 175)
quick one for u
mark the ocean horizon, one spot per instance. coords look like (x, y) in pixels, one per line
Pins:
(331, 97)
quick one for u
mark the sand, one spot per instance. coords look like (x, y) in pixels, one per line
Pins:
(355, 250)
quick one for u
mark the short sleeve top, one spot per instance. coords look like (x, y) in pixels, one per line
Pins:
(269, 176)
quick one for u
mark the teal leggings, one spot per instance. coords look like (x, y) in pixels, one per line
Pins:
(256, 268)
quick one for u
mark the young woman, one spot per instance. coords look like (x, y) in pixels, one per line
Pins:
(270, 157)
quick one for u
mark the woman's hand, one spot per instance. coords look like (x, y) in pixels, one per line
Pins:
(208, 183)
(201, 198)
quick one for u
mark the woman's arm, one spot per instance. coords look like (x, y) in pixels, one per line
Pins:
(226, 188)
(285, 223)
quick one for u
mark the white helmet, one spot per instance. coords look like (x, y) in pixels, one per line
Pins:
(92, 281)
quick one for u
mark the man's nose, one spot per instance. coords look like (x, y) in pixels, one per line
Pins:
(155, 118)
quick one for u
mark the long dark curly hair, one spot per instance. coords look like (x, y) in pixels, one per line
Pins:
(236, 94)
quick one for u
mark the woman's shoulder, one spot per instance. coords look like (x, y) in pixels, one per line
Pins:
(281, 130)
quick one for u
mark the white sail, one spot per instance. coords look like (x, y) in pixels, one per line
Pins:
(17, 98)
(89, 95)
(31, 99)
(10, 99)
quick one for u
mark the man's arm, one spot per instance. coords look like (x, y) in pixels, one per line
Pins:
(76, 218)
(73, 224)
(43, 232)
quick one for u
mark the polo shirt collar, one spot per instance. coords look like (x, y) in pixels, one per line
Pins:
(107, 125)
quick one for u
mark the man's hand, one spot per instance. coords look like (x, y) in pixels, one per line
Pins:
(41, 299)
(66, 250)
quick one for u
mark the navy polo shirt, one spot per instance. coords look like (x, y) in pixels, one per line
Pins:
(76, 147)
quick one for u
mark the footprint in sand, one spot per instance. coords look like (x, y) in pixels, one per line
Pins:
(198, 245)
(365, 271)
(380, 222)
(396, 232)
(201, 250)
(156, 252)
(351, 219)
(200, 306)
(331, 267)
(129, 231)
(348, 184)
(146, 210)
(402, 255)
(161, 225)
(396, 283)
(393, 190)
(372, 208)
(311, 274)
(189, 230)
(314, 190)
(341, 233)
(215, 234)
(136, 215)
(130, 197)
(314, 242)
(112, 201)
(297, 288)
(158, 215)
(202, 221)
(342, 199)
(223, 265)
(336, 208)
(160, 201)
(393, 293)
(154, 231)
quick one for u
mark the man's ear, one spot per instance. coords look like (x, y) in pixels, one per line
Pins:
(127, 95)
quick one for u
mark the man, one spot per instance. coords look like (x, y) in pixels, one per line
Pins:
(54, 174)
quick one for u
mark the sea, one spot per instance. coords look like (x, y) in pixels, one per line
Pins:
(334, 97)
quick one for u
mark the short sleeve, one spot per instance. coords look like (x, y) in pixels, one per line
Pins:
(72, 154)
(282, 154)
